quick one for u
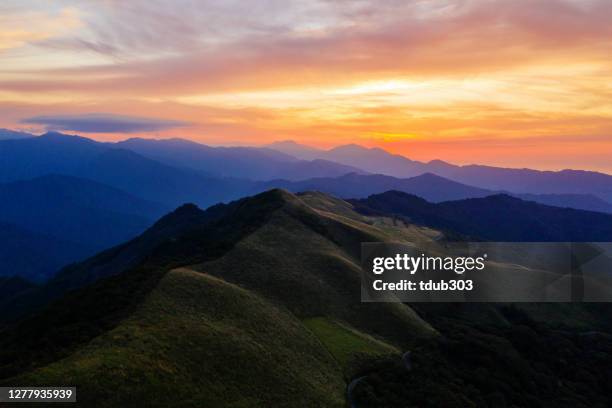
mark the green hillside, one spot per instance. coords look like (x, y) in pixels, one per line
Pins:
(198, 341)
(250, 308)
(257, 304)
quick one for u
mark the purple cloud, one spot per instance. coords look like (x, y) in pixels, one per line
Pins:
(103, 123)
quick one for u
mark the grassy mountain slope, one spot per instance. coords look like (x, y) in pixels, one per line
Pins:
(198, 341)
(257, 303)
(276, 260)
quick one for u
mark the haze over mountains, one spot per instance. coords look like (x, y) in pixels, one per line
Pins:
(87, 196)
(376, 160)
(430, 187)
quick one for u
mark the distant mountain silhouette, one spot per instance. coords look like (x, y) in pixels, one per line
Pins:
(56, 153)
(495, 218)
(7, 134)
(428, 186)
(587, 202)
(76, 209)
(71, 217)
(518, 181)
(35, 256)
(159, 182)
(46, 154)
(241, 162)
(372, 160)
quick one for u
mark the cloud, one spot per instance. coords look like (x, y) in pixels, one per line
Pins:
(18, 28)
(103, 123)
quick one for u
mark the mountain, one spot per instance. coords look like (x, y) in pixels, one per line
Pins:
(428, 186)
(586, 202)
(239, 162)
(257, 303)
(516, 181)
(294, 149)
(158, 182)
(7, 134)
(522, 221)
(56, 153)
(112, 261)
(90, 215)
(534, 181)
(35, 256)
(181, 172)
(372, 160)
(257, 319)
(353, 185)
(46, 154)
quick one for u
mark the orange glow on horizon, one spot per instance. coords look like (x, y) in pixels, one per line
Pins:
(491, 82)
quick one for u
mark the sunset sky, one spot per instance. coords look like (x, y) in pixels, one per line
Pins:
(511, 83)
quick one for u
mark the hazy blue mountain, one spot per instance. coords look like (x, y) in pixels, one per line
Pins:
(586, 202)
(76, 210)
(372, 160)
(521, 181)
(296, 150)
(159, 182)
(533, 181)
(495, 218)
(115, 260)
(34, 256)
(241, 162)
(7, 134)
(49, 153)
(430, 187)
(53, 220)
(56, 153)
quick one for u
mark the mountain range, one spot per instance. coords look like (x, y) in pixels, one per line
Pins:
(376, 160)
(479, 218)
(257, 303)
(87, 196)
(428, 186)
(238, 162)
(55, 220)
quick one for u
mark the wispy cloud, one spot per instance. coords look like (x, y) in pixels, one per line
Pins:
(321, 71)
(102, 123)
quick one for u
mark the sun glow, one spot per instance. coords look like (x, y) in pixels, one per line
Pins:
(452, 80)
